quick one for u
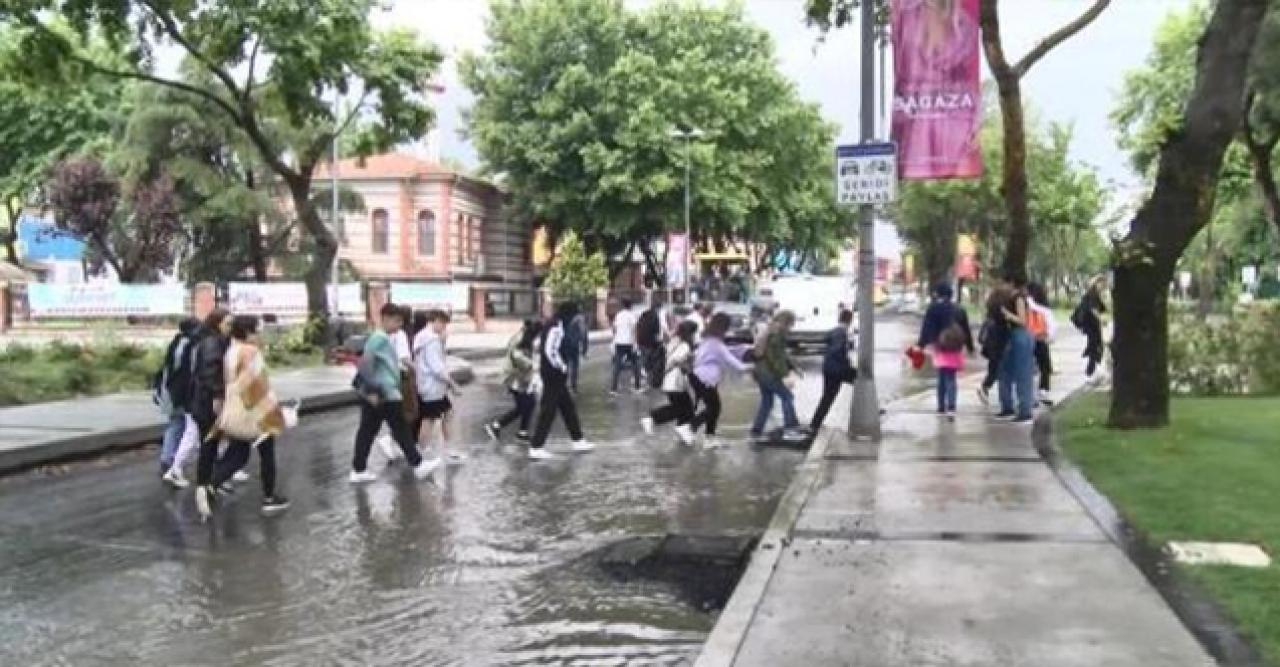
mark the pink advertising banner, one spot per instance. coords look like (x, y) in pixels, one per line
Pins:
(937, 99)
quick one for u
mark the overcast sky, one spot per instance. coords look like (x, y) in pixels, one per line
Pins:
(1076, 83)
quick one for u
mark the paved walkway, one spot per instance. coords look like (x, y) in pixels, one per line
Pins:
(946, 544)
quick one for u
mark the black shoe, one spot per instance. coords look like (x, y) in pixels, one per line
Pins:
(1024, 420)
(272, 505)
(523, 436)
(224, 490)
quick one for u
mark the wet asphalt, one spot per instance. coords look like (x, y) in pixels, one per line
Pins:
(490, 563)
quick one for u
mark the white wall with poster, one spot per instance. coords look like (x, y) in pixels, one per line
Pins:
(453, 297)
(288, 301)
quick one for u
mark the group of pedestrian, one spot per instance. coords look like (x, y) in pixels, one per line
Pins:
(215, 390)
(1017, 330)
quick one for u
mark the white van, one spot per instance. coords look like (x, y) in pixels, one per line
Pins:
(815, 300)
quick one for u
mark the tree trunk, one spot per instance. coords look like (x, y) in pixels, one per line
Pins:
(326, 249)
(1208, 276)
(11, 237)
(1014, 178)
(1180, 205)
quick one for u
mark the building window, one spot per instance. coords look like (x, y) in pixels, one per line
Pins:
(381, 230)
(426, 233)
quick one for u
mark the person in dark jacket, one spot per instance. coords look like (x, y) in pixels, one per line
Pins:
(208, 389)
(993, 338)
(556, 398)
(836, 369)
(946, 333)
(172, 391)
(1092, 309)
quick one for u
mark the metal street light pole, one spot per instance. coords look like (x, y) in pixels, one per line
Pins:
(864, 417)
(335, 274)
(687, 135)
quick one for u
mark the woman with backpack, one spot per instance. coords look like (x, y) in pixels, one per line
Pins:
(773, 365)
(675, 384)
(1088, 319)
(946, 333)
(521, 380)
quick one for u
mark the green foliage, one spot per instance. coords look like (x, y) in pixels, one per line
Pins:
(576, 274)
(576, 101)
(1210, 476)
(1065, 199)
(1228, 356)
(60, 350)
(17, 353)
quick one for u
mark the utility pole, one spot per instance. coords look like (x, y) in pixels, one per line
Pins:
(864, 417)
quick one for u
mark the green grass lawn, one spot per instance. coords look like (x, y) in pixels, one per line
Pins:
(1213, 475)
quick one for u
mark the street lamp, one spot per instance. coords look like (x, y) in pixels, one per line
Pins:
(687, 135)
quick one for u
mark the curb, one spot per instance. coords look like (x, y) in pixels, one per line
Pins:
(721, 646)
(89, 445)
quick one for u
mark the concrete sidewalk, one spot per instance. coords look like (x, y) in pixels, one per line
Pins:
(946, 544)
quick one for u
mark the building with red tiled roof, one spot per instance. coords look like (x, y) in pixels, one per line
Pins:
(426, 222)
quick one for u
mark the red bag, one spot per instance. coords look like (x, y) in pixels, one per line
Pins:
(916, 355)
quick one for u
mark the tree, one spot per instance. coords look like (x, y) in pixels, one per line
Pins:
(40, 126)
(131, 231)
(275, 66)
(575, 274)
(1182, 201)
(575, 105)
(1260, 132)
(1008, 77)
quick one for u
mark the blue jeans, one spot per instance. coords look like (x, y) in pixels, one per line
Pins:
(172, 436)
(948, 390)
(769, 388)
(1017, 373)
(624, 356)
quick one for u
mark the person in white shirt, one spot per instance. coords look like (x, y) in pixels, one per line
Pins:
(700, 315)
(624, 347)
(435, 386)
(556, 398)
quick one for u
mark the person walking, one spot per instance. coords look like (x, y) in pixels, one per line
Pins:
(675, 384)
(207, 392)
(580, 340)
(435, 386)
(625, 354)
(700, 315)
(712, 358)
(1017, 368)
(1043, 327)
(378, 382)
(1088, 318)
(555, 393)
(993, 338)
(946, 333)
(520, 378)
(773, 366)
(251, 415)
(172, 393)
(650, 338)
(837, 371)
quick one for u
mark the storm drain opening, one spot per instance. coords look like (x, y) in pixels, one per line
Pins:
(703, 568)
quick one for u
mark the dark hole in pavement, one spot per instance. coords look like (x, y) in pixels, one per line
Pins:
(704, 569)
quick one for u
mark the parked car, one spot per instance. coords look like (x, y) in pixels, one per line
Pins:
(816, 301)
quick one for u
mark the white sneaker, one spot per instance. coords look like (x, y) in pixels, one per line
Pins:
(175, 479)
(685, 434)
(389, 449)
(540, 454)
(204, 506)
(240, 477)
(456, 458)
(494, 431)
(984, 395)
(362, 477)
(713, 443)
(582, 446)
(794, 435)
(646, 424)
(424, 469)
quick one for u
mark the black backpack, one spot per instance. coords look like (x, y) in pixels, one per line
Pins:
(648, 329)
(177, 373)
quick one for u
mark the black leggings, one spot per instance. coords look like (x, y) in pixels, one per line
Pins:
(372, 417)
(208, 455)
(709, 397)
(526, 403)
(993, 372)
(679, 407)
(237, 455)
(1044, 361)
(555, 398)
(831, 384)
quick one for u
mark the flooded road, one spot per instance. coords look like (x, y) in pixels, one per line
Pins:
(490, 564)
